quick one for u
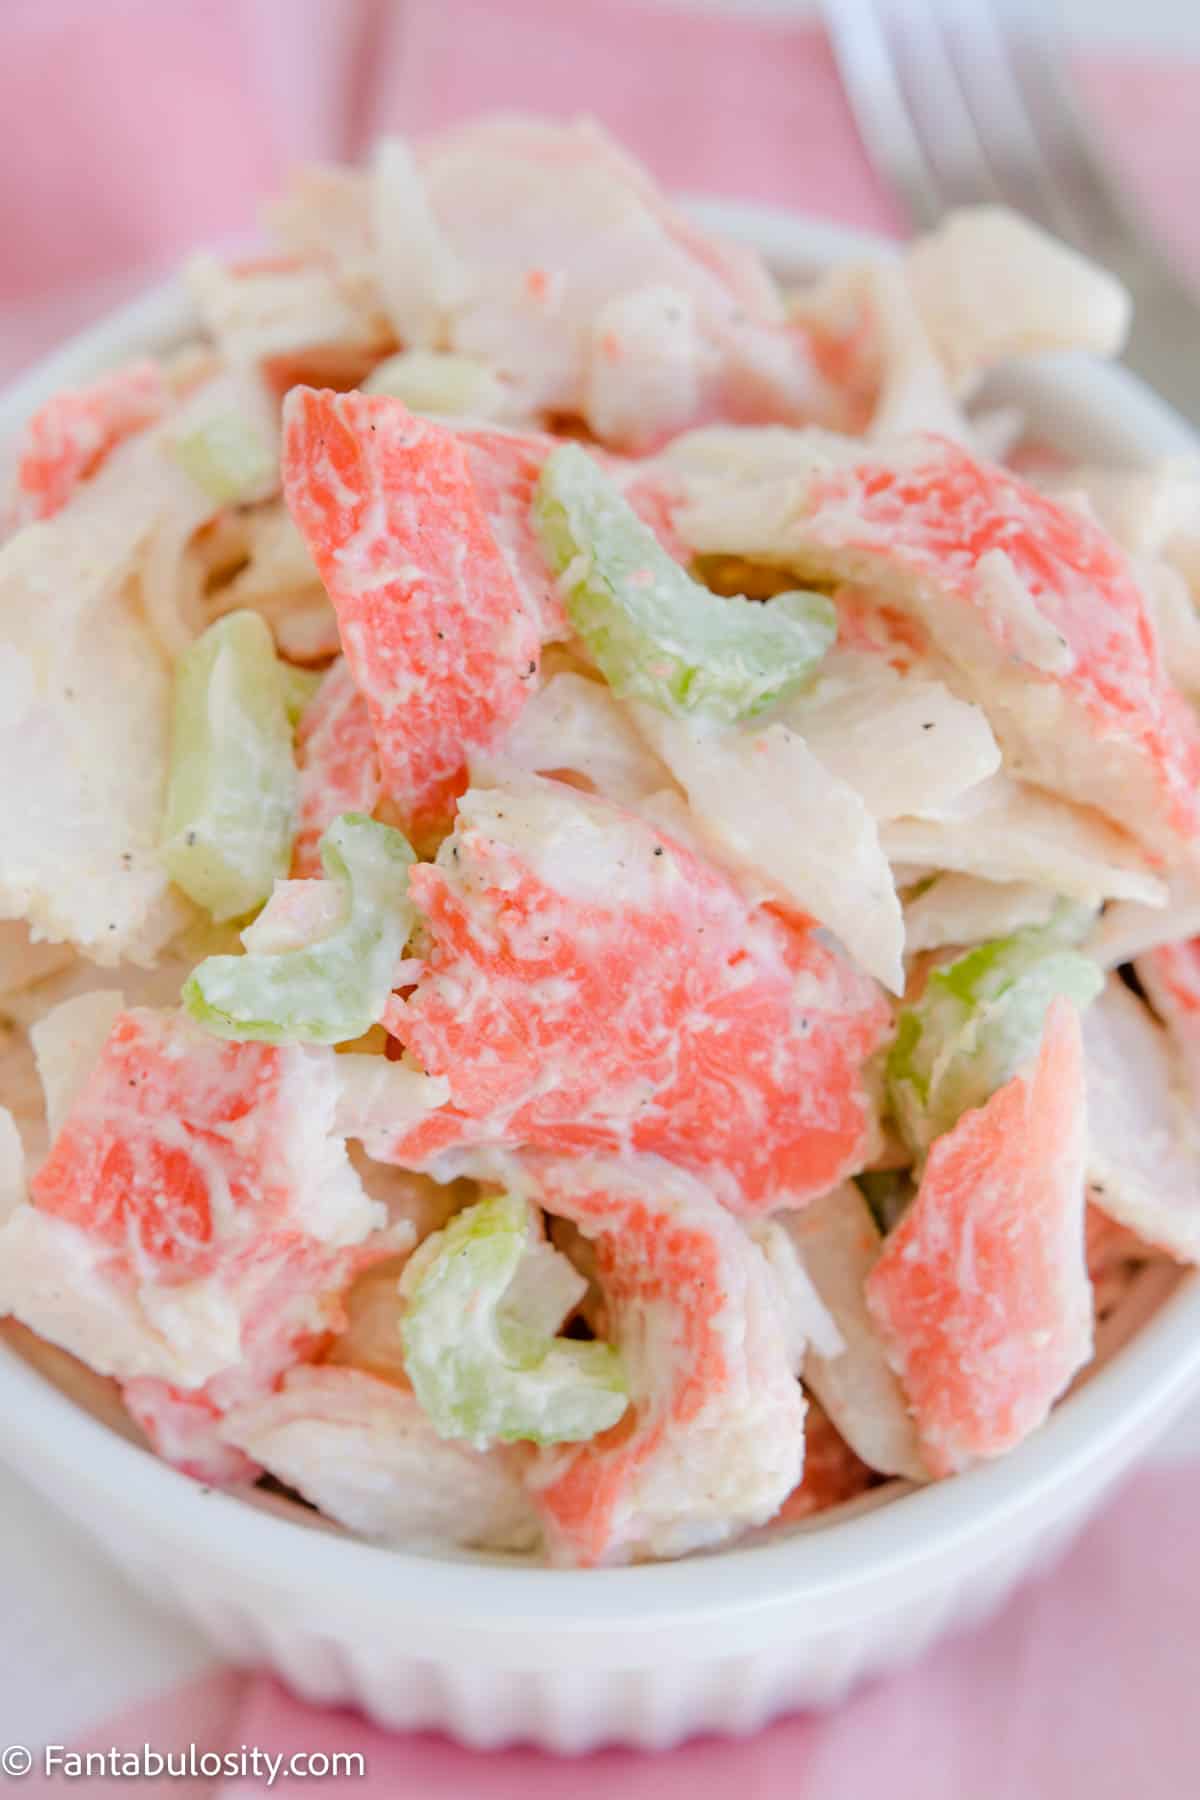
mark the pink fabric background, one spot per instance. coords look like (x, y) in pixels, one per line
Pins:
(129, 143)
(164, 129)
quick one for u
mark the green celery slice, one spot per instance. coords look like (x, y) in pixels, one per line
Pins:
(979, 1019)
(226, 458)
(481, 1374)
(231, 789)
(656, 634)
(333, 990)
(438, 382)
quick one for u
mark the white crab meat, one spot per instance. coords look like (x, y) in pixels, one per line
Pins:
(280, 581)
(362, 1450)
(1143, 1166)
(989, 285)
(838, 1242)
(1004, 830)
(891, 378)
(545, 252)
(962, 909)
(648, 367)
(265, 311)
(576, 727)
(67, 1044)
(904, 743)
(808, 836)
(85, 699)
(1128, 928)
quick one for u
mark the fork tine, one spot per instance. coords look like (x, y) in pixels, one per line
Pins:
(982, 46)
(962, 100)
(919, 37)
(864, 58)
(1093, 215)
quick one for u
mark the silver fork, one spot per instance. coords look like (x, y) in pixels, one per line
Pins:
(965, 101)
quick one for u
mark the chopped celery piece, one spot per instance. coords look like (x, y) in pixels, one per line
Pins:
(483, 1369)
(231, 790)
(544, 1291)
(656, 634)
(299, 687)
(437, 381)
(226, 457)
(979, 1019)
(335, 989)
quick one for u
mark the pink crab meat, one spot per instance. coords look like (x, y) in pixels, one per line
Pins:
(981, 1293)
(291, 1299)
(847, 353)
(339, 765)
(504, 468)
(425, 542)
(184, 1429)
(1033, 603)
(195, 1224)
(438, 636)
(131, 1166)
(713, 1440)
(866, 624)
(592, 985)
(833, 1474)
(68, 439)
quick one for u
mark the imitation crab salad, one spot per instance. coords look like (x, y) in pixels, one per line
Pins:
(599, 864)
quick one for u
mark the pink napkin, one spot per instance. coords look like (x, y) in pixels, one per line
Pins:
(165, 129)
(160, 131)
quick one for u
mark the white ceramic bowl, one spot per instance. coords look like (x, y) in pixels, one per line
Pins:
(497, 1652)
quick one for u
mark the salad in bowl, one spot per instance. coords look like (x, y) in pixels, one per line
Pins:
(600, 867)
